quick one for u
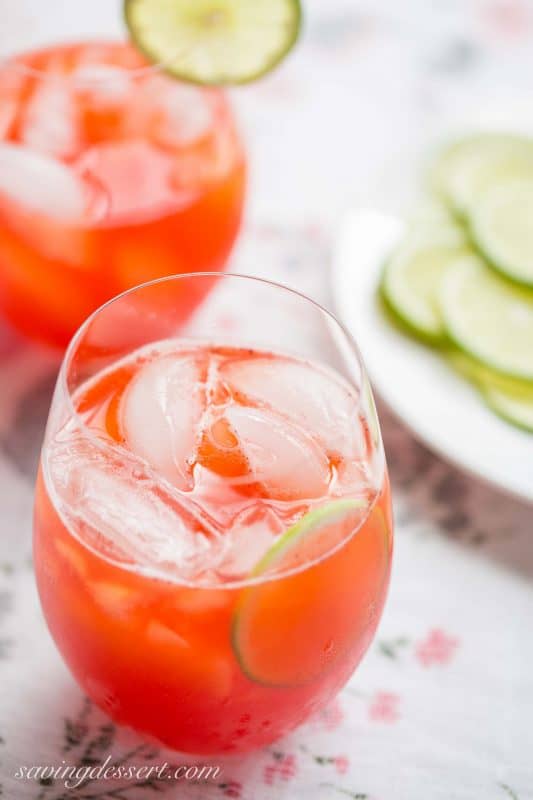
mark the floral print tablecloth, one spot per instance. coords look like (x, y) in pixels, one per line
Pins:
(442, 706)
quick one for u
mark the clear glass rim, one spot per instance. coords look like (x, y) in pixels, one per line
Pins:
(62, 382)
(13, 62)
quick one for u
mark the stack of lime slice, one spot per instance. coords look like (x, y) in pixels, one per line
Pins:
(462, 278)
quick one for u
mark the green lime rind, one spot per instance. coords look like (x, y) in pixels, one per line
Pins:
(509, 398)
(403, 325)
(214, 42)
(301, 532)
(411, 277)
(488, 318)
(312, 522)
(517, 410)
(485, 377)
(501, 227)
(466, 167)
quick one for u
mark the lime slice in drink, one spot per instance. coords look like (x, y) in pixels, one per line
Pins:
(215, 42)
(411, 279)
(488, 317)
(501, 224)
(465, 167)
(514, 408)
(288, 628)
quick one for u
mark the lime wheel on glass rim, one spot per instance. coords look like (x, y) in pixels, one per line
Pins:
(214, 42)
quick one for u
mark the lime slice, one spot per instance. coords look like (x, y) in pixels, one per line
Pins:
(466, 167)
(484, 173)
(287, 630)
(501, 225)
(488, 318)
(412, 277)
(511, 399)
(214, 42)
(485, 378)
(516, 409)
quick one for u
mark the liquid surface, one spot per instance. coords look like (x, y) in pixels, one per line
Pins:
(199, 458)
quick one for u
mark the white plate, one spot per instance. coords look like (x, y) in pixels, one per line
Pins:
(439, 407)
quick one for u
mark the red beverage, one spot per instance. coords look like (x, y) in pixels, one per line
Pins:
(111, 174)
(213, 540)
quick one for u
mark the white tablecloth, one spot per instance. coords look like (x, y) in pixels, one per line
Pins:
(442, 706)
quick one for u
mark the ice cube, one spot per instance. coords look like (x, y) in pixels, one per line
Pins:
(253, 532)
(136, 177)
(309, 395)
(49, 121)
(8, 114)
(179, 115)
(119, 510)
(39, 183)
(12, 83)
(71, 558)
(161, 411)
(103, 85)
(116, 599)
(353, 478)
(285, 459)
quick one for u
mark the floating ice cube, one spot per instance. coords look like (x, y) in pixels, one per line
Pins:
(253, 532)
(160, 413)
(311, 397)
(49, 121)
(8, 114)
(116, 599)
(180, 115)
(285, 459)
(119, 509)
(102, 84)
(353, 479)
(39, 183)
(135, 175)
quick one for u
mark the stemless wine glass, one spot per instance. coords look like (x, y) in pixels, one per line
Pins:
(213, 531)
(111, 172)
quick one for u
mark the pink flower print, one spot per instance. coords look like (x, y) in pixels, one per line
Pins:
(509, 18)
(341, 764)
(287, 767)
(332, 716)
(314, 231)
(284, 767)
(269, 774)
(384, 707)
(437, 648)
(232, 789)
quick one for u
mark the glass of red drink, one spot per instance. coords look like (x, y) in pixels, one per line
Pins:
(111, 172)
(213, 531)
